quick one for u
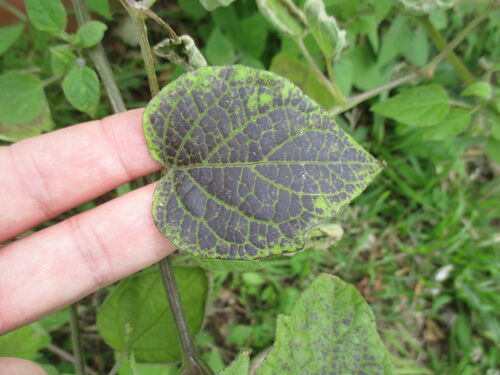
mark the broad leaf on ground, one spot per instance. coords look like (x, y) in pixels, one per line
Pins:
(455, 122)
(136, 316)
(331, 330)
(21, 98)
(219, 49)
(253, 163)
(418, 106)
(395, 40)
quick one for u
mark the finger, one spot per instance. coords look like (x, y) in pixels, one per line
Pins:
(43, 176)
(67, 261)
(17, 366)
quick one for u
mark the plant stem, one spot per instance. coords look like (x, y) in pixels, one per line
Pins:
(76, 340)
(333, 88)
(12, 9)
(331, 76)
(101, 62)
(188, 348)
(454, 60)
(64, 355)
(431, 67)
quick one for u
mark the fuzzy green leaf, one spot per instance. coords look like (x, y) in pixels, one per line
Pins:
(183, 53)
(91, 33)
(47, 15)
(419, 106)
(324, 28)
(8, 35)
(136, 316)
(253, 163)
(21, 98)
(331, 330)
(282, 18)
(81, 88)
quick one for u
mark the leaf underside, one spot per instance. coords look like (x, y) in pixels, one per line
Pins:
(253, 163)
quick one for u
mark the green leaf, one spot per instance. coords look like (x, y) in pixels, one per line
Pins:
(239, 366)
(101, 7)
(455, 122)
(344, 75)
(81, 88)
(303, 76)
(136, 316)
(22, 98)
(47, 15)
(219, 49)
(417, 51)
(193, 8)
(493, 149)
(395, 40)
(480, 89)
(366, 74)
(8, 35)
(212, 4)
(185, 53)
(62, 59)
(24, 342)
(418, 106)
(252, 35)
(324, 29)
(91, 33)
(331, 330)
(17, 132)
(426, 6)
(282, 18)
(253, 163)
(55, 320)
(228, 265)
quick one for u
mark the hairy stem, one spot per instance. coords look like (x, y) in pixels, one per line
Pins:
(192, 358)
(454, 60)
(76, 340)
(13, 10)
(98, 57)
(334, 90)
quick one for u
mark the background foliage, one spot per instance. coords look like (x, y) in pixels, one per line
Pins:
(421, 244)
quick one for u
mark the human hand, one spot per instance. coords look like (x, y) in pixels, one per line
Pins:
(44, 176)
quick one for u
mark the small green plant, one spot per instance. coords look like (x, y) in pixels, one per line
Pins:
(255, 160)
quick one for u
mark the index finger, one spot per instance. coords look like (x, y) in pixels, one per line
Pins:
(44, 176)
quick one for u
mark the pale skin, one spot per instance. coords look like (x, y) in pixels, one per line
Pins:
(44, 176)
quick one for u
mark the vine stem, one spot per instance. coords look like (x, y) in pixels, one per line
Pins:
(101, 62)
(136, 12)
(428, 71)
(76, 340)
(191, 355)
(13, 10)
(191, 359)
(454, 60)
(333, 88)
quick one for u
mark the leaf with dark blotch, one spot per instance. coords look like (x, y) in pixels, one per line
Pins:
(253, 163)
(331, 330)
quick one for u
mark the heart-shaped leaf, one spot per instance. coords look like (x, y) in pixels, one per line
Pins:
(253, 163)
